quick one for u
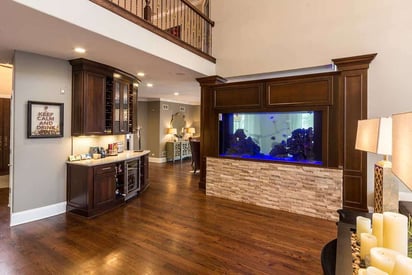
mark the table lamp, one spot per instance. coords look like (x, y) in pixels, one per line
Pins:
(402, 148)
(172, 132)
(190, 131)
(375, 136)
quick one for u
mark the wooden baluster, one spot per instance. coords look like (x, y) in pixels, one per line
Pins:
(147, 12)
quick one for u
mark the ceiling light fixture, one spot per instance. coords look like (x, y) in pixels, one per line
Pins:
(149, 85)
(140, 74)
(176, 93)
(79, 50)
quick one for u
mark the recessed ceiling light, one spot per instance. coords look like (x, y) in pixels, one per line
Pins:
(149, 85)
(79, 50)
(176, 93)
(140, 74)
(136, 84)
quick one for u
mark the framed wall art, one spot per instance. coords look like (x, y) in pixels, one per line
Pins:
(44, 119)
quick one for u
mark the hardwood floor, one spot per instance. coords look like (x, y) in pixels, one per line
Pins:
(172, 228)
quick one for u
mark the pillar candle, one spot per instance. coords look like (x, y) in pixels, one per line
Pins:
(363, 225)
(395, 232)
(368, 241)
(371, 270)
(377, 227)
(403, 265)
(383, 258)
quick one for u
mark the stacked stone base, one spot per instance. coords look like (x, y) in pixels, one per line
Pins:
(306, 190)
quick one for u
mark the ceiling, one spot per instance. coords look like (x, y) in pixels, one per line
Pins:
(25, 29)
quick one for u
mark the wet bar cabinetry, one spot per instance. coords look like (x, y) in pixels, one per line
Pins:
(104, 99)
(97, 186)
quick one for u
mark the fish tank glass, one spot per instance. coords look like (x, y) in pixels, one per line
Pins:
(275, 136)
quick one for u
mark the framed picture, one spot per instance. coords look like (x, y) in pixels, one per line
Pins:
(44, 119)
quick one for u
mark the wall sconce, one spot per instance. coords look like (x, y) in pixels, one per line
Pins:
(375, 136)
(402, 148)
(172, 132)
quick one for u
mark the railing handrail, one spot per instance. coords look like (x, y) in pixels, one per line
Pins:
(178, 21)
(201, 14)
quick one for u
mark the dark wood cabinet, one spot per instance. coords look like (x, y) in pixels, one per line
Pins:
(104, 185)
(93, 190)
(121, 91)
(101, 99)
(144, 172)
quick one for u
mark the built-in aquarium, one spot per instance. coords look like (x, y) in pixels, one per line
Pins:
(275, 136)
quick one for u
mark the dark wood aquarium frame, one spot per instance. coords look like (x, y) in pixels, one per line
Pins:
(341, 95)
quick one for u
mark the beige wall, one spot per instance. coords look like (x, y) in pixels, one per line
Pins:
(39, 166)
(265, 36)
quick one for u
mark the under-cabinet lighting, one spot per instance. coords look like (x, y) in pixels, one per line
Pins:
(79, 50)
(116, 75)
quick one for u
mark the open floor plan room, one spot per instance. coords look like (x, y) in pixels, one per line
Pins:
(173, 229)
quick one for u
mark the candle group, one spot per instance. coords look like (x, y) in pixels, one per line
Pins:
(385, 250)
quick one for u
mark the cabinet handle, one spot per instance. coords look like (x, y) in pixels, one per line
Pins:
(107, 168)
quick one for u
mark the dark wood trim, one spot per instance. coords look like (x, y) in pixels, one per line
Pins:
(4, 135)
(353, 91)
(143, 23)
(208, 123)
(354, 62)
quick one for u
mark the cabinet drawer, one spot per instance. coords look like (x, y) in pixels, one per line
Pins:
(103, 169)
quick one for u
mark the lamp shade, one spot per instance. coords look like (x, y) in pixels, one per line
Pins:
(190, 130)
(402, 147)
(375, 135)
(172, 131)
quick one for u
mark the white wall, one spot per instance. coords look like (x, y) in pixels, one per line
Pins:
(39, 164)
(264, 36)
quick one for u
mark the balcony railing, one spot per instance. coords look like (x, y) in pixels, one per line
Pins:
(180, 21)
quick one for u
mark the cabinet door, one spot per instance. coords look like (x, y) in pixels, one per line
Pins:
(120, 107)
(104, 189)
(94, 103)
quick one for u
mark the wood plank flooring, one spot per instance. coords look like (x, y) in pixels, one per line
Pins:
(172, 228)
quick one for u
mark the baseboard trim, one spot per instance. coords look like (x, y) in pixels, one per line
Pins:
(37, 213)
(157, 160)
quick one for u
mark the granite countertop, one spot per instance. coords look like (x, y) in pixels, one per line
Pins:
(126, 155)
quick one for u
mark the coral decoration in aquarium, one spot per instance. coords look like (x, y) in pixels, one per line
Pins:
(280, 136)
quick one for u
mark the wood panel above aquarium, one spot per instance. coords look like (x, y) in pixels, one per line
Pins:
(332, 93)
